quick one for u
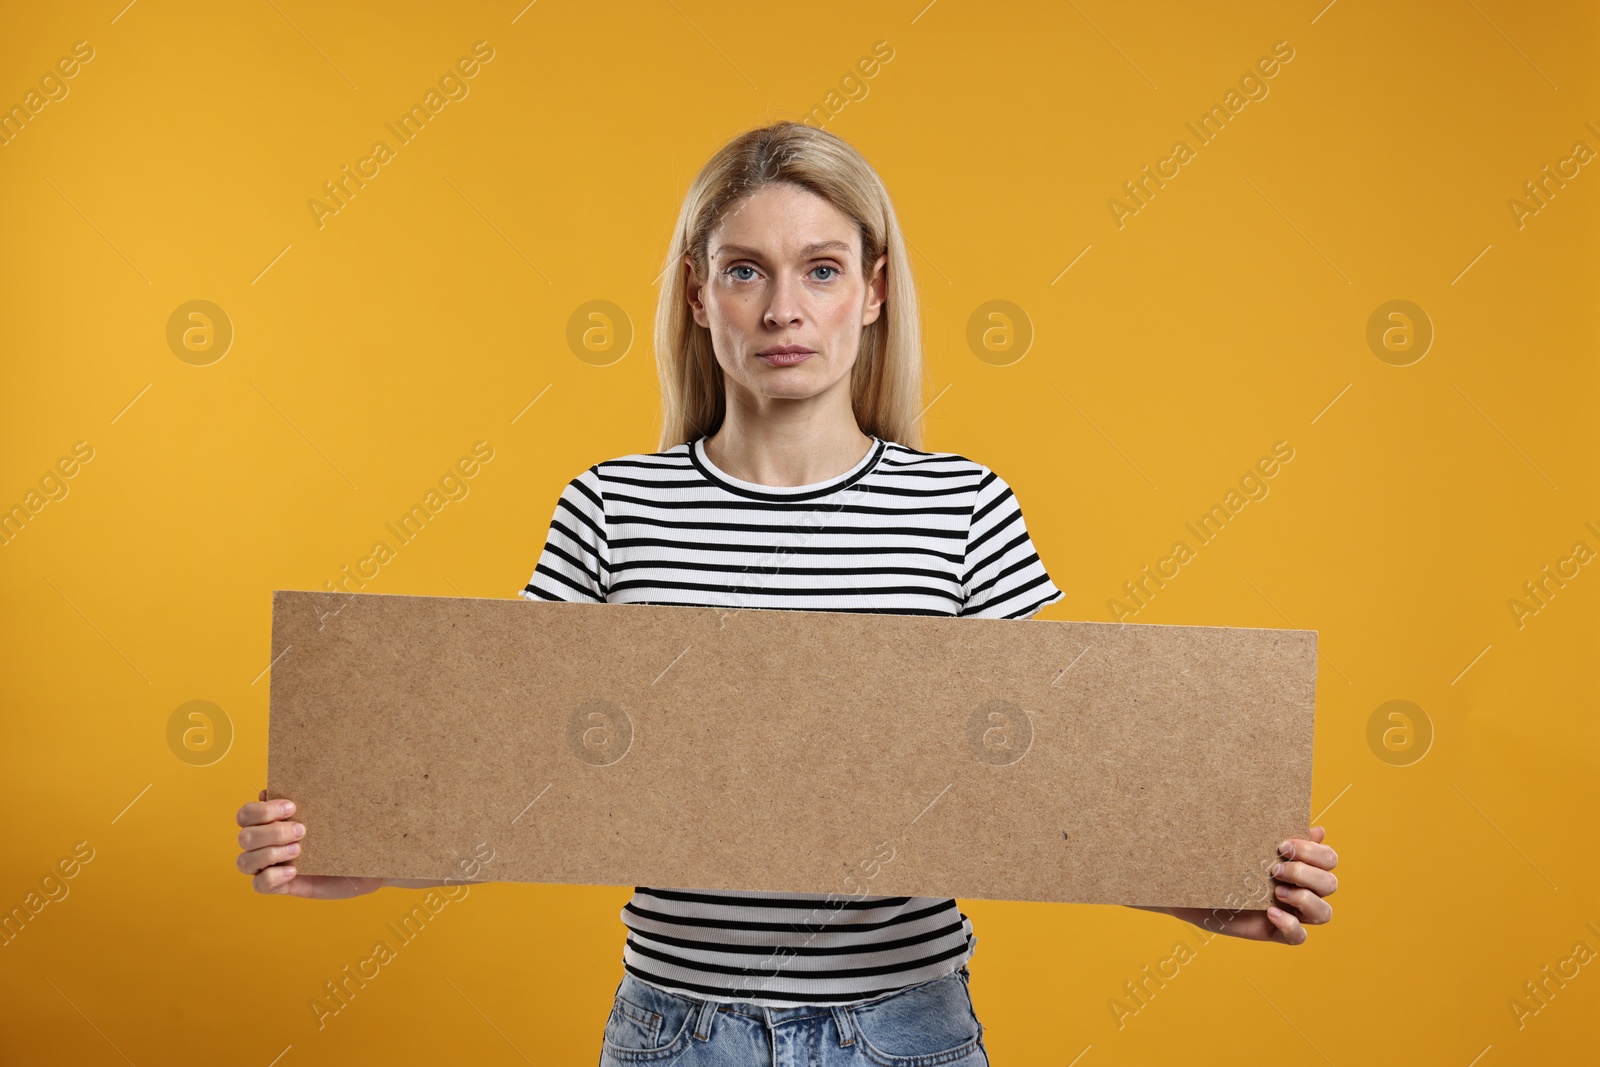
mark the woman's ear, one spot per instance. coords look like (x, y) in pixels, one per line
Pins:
(692, 292)
(877, 291)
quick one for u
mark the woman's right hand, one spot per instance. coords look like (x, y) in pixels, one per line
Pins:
(270, 841)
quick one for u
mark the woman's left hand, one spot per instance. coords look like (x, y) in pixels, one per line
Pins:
(1302, 879)
(1304, 876)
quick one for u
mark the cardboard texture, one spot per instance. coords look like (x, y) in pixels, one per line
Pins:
(797, 751)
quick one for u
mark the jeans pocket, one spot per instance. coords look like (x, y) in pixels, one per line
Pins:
(920, 1026)
(646, 1024)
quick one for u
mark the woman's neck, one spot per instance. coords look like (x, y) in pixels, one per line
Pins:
(786, 456)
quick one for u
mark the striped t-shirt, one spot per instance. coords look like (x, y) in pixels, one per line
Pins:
(902, 532)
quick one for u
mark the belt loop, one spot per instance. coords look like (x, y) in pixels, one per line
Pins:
(703, 1019)
(841, 1020)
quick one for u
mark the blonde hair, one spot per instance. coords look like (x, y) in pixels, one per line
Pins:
(886, 382)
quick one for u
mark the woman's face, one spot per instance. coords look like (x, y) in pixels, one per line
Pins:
(785, 270)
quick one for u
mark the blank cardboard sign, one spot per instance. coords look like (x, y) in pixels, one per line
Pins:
(793, 751)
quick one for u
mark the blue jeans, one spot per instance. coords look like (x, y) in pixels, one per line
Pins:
(918, 1026)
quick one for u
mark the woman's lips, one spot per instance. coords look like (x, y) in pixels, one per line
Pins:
(787, 359)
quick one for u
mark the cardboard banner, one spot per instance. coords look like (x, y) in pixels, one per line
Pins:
(795, 751)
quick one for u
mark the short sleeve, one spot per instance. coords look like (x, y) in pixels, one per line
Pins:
(575, 563)
(1003, 577)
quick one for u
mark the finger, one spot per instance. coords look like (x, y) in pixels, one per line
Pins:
(274, 880)
(263, 795)
(1312, 908)
(257, 812)
(272, 833)
(254, 861)
(1289, 928)
(1313, 852)
(1318, 833)
(1314, 878)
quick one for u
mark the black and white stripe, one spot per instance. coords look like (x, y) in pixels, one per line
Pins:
(902, 532)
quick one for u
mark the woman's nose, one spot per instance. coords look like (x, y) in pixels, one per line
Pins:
(784, 306)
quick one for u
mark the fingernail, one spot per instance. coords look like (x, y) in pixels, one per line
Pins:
(290, 871)
(288, 808)
(1282, 891)
(1277, 869)
(1284, 848)
(1276, 913)
(300, 831)
(294, 850)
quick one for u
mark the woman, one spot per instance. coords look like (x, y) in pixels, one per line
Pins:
(790, 475)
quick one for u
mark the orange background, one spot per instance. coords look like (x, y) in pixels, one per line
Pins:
(432, 311)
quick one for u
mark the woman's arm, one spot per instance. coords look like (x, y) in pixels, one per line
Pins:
(1304, 877)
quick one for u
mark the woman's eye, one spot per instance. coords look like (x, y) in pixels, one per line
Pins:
(742, 266)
